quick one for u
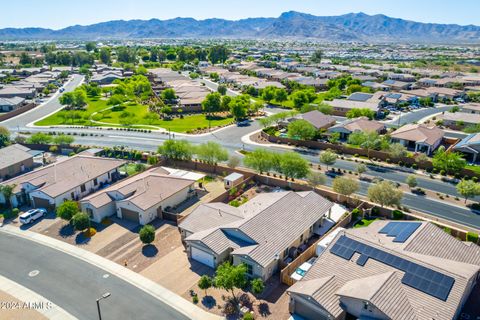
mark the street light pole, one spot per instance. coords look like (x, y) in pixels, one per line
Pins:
(104, 296)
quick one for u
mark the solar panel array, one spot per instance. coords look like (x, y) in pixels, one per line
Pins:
(400, 230)
(416, 276)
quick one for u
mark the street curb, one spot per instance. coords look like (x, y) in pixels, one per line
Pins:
(28, 296)
(168, 297)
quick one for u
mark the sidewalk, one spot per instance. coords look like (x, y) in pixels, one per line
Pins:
(166, 296)
(26, 304)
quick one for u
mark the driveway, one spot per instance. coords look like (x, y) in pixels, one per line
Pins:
(176, 272)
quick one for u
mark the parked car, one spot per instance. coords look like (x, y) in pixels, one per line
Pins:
(32, 215)
(243, 123)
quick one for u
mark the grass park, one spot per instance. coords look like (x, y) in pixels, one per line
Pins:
(130, 114)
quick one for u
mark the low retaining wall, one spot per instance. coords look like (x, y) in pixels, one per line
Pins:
(17, 111)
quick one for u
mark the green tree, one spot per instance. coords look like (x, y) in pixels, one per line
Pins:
(225, 106)
(63, 139)
(315, 178)
(205, 283)
(218, 53)
(39, 138)
(411, 181)
(147, 234)
(222, 89)
(281, 95)
(293, 165)
(168, 94)
(257, 286)
(317, 56)
(67, 210)
(81, 221)
(328, 157)
(361, 169)
(90, 46)
(325, 108)
(450, 162)
(385, 193)
(230, 277)
(7, 191)
(360, 112)
(176, 149)
(239, 106)
(269, 93)
(468, 189)
(345, 186)
(397, 150)
(4, 137)
(105, 56)
(212, 102)
(211, 152)
(260, 160)
(301, 129)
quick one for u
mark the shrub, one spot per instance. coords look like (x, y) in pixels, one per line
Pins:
(375, 210)
(15, 212)
(90, 232)
(472, 237)
(397, 215)
(195, 299)
(248, 316)
(147, 234)
(356, 213)
(81, 221)
(447, 230)
(442, 172)
(475, 179)
(229, 308)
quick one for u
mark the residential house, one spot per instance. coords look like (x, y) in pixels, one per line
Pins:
(361, 124)
(389, 270)
(10, 104)
(470, 146)
(263, 233)
(375, 86)
(14, 91)
(69, 179)
(471, 108)
(14, 160)
(397, 85)
(140, 198)
(341, 106)
(318, 119)
(418, 137)
(458, 120)
(107, 77)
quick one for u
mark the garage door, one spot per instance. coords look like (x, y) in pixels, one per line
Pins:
(306, 312)
(203, 257)
(130, 215)
(42, 203)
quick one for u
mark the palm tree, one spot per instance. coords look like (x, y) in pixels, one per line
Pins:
(7, 192)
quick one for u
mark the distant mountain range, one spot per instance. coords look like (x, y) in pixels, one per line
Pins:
(290, 25)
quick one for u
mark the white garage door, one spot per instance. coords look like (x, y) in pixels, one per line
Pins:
(203, 257)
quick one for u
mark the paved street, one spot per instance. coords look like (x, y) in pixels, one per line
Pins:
(75, 285)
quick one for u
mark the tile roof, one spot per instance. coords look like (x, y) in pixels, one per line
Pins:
(64, 175)
(272, 221)
(318, 119)
(428, 246)
(419, 133)
(13, 154)
(361, 124)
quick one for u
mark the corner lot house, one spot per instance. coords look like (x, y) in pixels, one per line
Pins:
(389, 270)
(459, 119)
(318, 119)
(262, 233)
(69, 179)
(141, 198)
(361, 124)
(341, 106)
(419, 137)
(10, 104)
(14, 160)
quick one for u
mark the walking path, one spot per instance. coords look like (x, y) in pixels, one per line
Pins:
(20, 301)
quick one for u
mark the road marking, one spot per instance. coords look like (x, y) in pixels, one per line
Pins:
(105, 276)
(33, 273)
(138, 138)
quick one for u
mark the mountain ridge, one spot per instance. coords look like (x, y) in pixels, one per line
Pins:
(349, 27)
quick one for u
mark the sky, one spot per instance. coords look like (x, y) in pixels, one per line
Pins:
(58, 14)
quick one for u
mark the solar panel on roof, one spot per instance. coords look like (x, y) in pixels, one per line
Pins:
(400, 230)
(416, 276)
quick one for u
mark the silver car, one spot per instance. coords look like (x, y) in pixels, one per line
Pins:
(32, 215)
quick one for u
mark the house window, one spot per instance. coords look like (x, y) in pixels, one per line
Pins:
(72, 195)
(95, 181)
(89, 212)
(82, 188)
(249, 269)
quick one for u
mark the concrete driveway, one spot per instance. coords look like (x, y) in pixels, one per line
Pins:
(176, 272)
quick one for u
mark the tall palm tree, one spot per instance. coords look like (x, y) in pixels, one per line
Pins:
(7, 192)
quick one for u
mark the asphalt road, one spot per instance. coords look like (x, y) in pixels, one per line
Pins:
(75, 285)
(230, 138)
(51, 106)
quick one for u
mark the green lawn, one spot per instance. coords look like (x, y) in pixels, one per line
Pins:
(474, 168)
(364, 223)
(112, 119)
